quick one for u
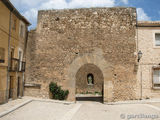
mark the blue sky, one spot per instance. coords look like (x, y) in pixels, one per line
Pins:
(148, 10)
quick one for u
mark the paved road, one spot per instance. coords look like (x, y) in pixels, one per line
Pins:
(155, 104)
(38, 110)
(98, 111)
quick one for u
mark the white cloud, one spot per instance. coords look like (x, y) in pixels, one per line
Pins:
(125, 1)
(91, 3)
(27, 3)
(54, 4)
(30, 7)
(142, 15)
(61, 4)
(31, 14)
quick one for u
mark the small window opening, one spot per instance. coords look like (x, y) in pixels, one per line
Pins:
(156, 78)
(157, 39)
(57, 19)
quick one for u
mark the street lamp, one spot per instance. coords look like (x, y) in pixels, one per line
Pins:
(139, 55)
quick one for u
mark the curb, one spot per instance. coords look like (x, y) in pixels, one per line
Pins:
(14, 108)
(130, 102)
(54, 101)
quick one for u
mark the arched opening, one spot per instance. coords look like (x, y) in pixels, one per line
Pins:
(89, 83)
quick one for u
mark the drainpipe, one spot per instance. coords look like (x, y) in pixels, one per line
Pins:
(25, 53)
(9, 39)
(141, 87)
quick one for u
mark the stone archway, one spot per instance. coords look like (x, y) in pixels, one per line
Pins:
(96, 58)
(89, 83)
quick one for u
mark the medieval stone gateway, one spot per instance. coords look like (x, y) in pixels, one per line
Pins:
(71, 46)
(89, 79)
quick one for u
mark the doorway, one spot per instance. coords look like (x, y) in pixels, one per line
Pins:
(89, 83)
(11, 86)
(18, 87)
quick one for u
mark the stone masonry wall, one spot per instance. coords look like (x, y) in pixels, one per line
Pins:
(150, 59)
(100, 36)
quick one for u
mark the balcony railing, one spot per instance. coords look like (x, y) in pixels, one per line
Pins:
(16, 65)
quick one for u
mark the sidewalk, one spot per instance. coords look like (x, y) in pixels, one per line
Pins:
(38, 109)
(12, 103)
(143, 101)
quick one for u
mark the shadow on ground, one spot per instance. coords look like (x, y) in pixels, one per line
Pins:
(94, 99)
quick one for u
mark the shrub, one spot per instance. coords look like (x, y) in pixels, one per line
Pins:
(99, 93)
(57, 92)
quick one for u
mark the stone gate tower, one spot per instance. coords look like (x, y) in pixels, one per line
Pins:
(72, 46)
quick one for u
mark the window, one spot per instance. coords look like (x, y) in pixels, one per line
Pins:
(156, 77)
(90, 79)
(11, 56)
(11, 87)
(157, 39)
(2, 55)
(22, 31)
(14, 24)
(12, 53)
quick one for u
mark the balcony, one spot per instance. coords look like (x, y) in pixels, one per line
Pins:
(16, 65)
